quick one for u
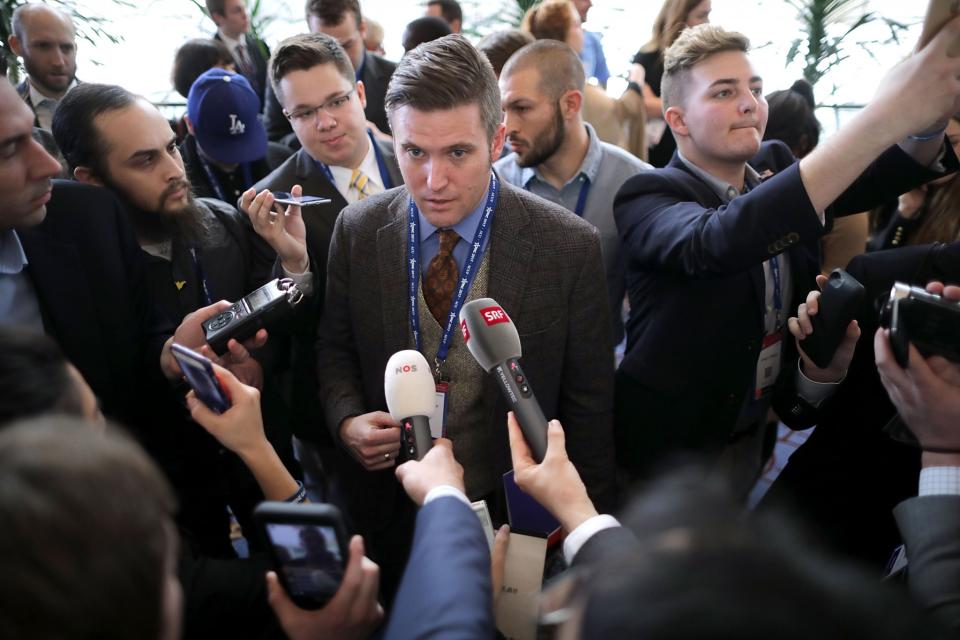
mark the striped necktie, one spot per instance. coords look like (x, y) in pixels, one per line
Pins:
(360, 182)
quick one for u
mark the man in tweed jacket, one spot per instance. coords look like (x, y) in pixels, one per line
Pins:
(541, 263)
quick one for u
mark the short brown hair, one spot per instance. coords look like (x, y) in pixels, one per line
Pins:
(87, 533)
(550, 20)
(444, 74)
(693, 46)
(500, 45)
(333, 12)
(306, 51)
(560, 67)
(216, 6)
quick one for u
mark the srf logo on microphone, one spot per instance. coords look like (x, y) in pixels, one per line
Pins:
(407, 368)
(494, 315)
(465, 331)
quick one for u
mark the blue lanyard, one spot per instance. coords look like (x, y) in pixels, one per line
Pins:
(198, 268)
(582, 198)
(381, 165)
(215, 183)
(466, 278)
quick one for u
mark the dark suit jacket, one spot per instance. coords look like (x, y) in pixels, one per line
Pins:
(23, 90)
(849, 474)
(89, 274)
(930, 526)
(376, 76)
(446, 590)
(545, 269)
(301, 169)
(696, 285)
(259, 55)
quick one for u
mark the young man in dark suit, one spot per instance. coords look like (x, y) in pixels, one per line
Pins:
(250, 55)
(342, 21)
(723, 241)
(539, 261)
(339, 159)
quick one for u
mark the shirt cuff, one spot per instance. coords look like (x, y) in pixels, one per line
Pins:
(443, 491)
(939, 481)
(579, 536)
(814, 393)
(304, 281)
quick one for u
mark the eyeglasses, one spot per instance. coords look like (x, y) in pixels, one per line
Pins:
(331, 107)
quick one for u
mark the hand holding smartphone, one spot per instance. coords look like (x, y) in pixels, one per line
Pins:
(284, 197)
(198, 370)
(308, 547)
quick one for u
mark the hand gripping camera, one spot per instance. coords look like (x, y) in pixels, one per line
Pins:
(928, 321)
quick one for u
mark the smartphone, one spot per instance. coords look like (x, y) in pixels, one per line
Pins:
(939, 13)
(283, 197)
(198, 370)
(308, 546)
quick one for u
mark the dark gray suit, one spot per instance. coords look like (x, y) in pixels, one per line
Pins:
(930, 526)
(301, 169)
(545, 269)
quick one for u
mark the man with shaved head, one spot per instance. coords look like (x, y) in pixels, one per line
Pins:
(558, 156)
(45, 38)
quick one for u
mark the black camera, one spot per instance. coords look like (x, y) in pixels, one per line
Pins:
(928, 321)
(251, 313)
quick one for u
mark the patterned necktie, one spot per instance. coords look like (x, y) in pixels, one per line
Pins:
(360, 182)
(442, 276)
(243, 63)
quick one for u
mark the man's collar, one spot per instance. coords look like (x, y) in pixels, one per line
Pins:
(12, 257)
(466, 228)
(37, 96)
(232, 43)
(723, 189)
(590, 167)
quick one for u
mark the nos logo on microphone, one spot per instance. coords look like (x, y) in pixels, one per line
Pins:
(494, 315)
(407, 368)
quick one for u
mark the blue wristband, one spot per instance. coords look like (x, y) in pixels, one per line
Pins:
(927, 137)
(300, 496)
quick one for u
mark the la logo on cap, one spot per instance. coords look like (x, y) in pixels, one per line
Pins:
(236, 125)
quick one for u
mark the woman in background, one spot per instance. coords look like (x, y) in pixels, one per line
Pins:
(674, 17)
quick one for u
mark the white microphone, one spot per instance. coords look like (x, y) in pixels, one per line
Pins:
(410, 391)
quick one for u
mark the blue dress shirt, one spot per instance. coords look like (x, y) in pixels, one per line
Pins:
(18, 300)
(466, 229)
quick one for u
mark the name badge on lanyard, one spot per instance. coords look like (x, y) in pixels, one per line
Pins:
(470, 268)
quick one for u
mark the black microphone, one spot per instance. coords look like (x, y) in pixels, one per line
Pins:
(410, 393)
(493, 340)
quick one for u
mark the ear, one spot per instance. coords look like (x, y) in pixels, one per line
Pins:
(14, 43)
(363, 28)
(186, 119)
(86, 175)
(571, 103)
(676, 119)
(362, 93)
(496, 145)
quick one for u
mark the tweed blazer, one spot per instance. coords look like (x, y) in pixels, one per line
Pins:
(545, 269)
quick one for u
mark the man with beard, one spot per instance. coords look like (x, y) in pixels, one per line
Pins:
(558, 156)
(46, 40)
(198, 251)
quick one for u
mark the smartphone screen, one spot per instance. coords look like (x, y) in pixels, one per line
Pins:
(309, 557)
(200, 376)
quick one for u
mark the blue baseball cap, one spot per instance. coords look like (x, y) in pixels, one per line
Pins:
(225, 113)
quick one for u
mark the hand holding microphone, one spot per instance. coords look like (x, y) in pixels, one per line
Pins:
(410, 394)
(493, 341)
